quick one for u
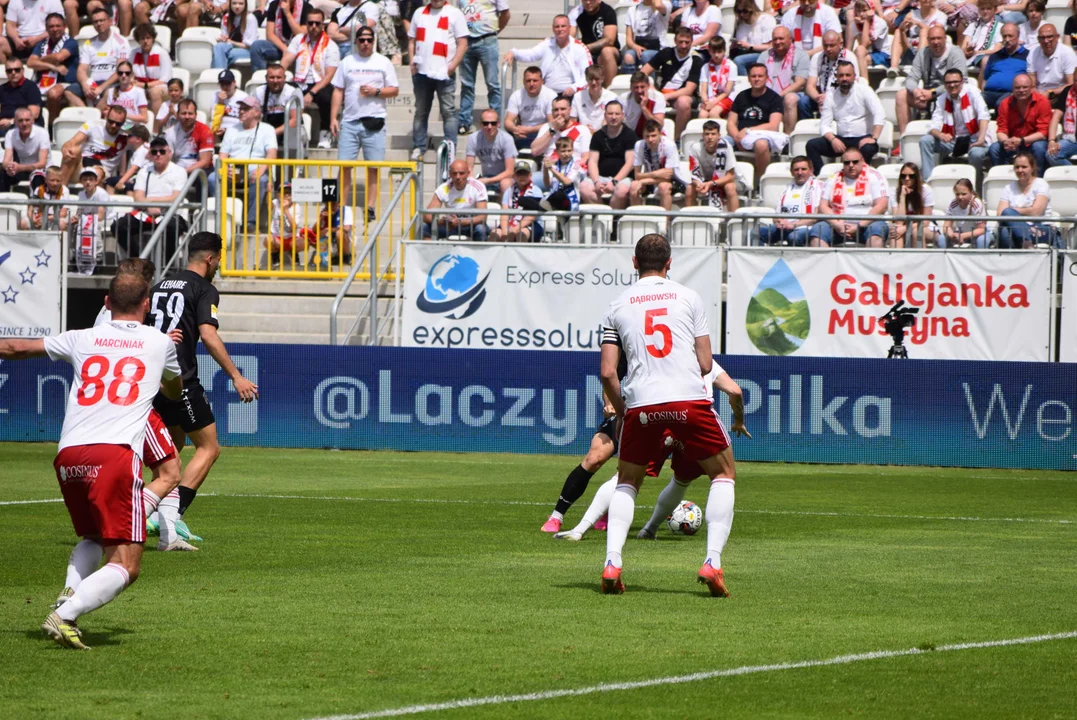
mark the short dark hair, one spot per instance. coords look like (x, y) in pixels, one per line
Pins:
(717, 43)
(682, 31)
(615, 102)
(140, 132)
(652, 253)
(144, 269)
(652, 126)
(799, 159)
(126, 293)
(145, 30)
(177, 82)
(204, 242)
(58, 16)
(843, 63)
(953, 71)
(100, 10)
(533, 70)
(711, 125)
(185, 102)
(159, 142)
(753, 66)
(638, 77)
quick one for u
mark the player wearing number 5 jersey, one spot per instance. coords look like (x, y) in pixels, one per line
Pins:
(188, 301)
(119, 367)
(663, 330)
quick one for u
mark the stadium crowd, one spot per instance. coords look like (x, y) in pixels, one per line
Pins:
(863, 108)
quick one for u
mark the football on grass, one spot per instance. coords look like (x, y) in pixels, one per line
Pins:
(685, 519)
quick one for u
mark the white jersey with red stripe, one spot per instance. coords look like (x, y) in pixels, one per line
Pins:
(118, 370)
(655, 323)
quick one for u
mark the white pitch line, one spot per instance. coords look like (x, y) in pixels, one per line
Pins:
(31, 502)
(694, 677)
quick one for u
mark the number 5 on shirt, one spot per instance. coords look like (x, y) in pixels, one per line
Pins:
(650, 327)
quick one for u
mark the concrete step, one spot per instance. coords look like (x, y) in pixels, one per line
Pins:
(307, 338)
(278, 305)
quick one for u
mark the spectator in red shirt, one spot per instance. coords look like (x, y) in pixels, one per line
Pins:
(191, 141)
(1023, 118)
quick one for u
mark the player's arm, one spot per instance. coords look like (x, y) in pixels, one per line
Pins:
(172, 389)
(14, 349)
(732, 391)
(607, 407)
(703, 354)
(611, 384)
(247, 390)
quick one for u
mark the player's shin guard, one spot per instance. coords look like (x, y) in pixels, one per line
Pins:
(719, 518)
(622, 508)
(573, 489)
(186, 497)
(95, 591)
(168, 512)
(599, 506)
(84, 560)
(668, 499)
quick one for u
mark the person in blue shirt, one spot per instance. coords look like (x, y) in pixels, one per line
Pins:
(1002, 67)
(55, 60)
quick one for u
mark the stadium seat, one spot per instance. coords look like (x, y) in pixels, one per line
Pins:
(886, 137)
(493, 221)
(638, 222)
(887, 92)
(943, 178)
(830, 170)
(910, 140)
(233, 210)
(804, 131)
(1057, 12)
(729, 19)
(669, 128)
(746, 174)
(596, 224)
(10, 214)
(164, 37)
(68, 123)
(693, 133)
(700, 229)
(204, 90)
(86, 32)
(737, 229)
(258, 79)
(622, 9)
(621, 84)
(194, 49)
(890, 171)
(773, 182)
(997, 178)
(1063, 182)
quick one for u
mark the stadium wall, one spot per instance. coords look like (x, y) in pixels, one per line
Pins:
(912, 412)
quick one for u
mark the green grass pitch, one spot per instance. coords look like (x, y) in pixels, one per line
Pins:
(305, 608)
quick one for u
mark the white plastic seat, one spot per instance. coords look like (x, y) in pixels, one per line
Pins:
(204, 91)
(891, 172)
(86, 32)
(943, 178)
(179, 73)
(886, 137)
(669, 128)
(637, 222)
(773, 182)
(194, 49)
(620, 84)
(910, 140)
(737, 228)
(596, 224)
(12, 206)
(997, 179)
(70, 121)
(258, 79)
(887, 92)
(696, 227)
(1057, 12)
(804, 131)
(693, 133)
(1063, 182)
(164, 37)
(829, 170)
(745, 172)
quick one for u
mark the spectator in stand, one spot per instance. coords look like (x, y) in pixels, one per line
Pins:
(676, 72)
(807, 23)
(858, 190)
(98, 143)
(25, 25)
(48, 217)
(982, 38)
(913, 197)
(704, 21)
(821, 75)
(717, 78)
(752, 37)
(17, 93)
(127, 95)
(191, 141)
(1030, 30)
(523, 195)
(135, 158)
(56, 62)
(1028, 195)
(589, 107)
(562, 173)
(907, 36)
(964, 233)
(853, 117)
(168, 113)
(1051, 65)
(562, 58)
(871, 33)
(642, 103)
(26, 152)
(316, 59)
(894, 13)
(1014, 12)
(594, 23)
(1002, 67)
(252, 139)
(239, 30)
(1023, 120)
(1070, 28)
(347, 19)
(755, 119)
(98, 57)
(529, 109)
(161, 181)
(928, 68)
(153, 66)
(787, 69)
(362, 85)
(798, 202)
(461, 192)
(611, 160)
(284, 19)
(495, 152)
(485, 19)
(658, 168)
(274, 97)
(958, 126)
(1062, 147)
(393, 27)
(562, 125)
(227, 113)
(436, 31)
(645, 29)
(713, 168)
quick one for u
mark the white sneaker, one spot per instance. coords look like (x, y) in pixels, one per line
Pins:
(417, 155)
(572, 535)
(178, 545)
(325, 140)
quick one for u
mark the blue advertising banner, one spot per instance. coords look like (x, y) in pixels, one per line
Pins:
(915, 412)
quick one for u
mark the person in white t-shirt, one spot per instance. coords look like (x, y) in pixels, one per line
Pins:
(239, 30)
(153, 66)
(563, 125)
(857, 189)
(645, 30)
(25, 25)
(1051, 65)
(529, 109)
(168, 114)
(589, 107)
(316, 59)
(99, 465)
(808, 21)
(127, 95)
(461, 192)
(226, 112)
(658, 168)
(160, 181)
(1027, 195)
(97, 143)
(798, 202)
(662, 330)
(437, 41)
(26, 152)
(98, 57)
(252, 139)
(562, 59)
(48, 217)
(907, 36)
(703, 20)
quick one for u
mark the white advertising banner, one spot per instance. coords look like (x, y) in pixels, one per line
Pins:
(30, 268)
(1067, 330)
(531, 297)
(972, 305)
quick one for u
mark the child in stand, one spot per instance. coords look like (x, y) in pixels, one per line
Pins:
(562, 174)
(716, 81)
(48, 217)
(89, 222)
(523, 195)
(965, 233)
(138, 156)
(282, 225)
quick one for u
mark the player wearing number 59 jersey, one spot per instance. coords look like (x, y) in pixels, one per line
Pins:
(663, 330)
(119, 367)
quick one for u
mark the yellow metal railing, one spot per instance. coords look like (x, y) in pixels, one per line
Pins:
(293, 236)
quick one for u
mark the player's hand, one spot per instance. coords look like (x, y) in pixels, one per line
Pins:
(176, 336)
(739, 429)
(608, 410)
(247, 390)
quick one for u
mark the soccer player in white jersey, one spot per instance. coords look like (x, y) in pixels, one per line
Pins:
(663, 330)
(119, 368)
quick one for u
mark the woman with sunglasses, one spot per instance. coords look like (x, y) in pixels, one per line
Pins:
(752, 35)
(127, 95)
(912, 197)
(239, 30)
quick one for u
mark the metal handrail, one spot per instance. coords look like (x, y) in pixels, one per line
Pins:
(301, 150)
(443, 159)
(508, 74)
(357, 263)
(181, 199)
(375, 332)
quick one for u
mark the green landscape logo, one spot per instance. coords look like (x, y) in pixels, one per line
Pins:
(778, 318)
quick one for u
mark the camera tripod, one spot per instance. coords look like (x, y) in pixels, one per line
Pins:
(898, 351)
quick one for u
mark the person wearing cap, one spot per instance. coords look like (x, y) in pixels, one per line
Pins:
(361, 85)
(521, 195)
(316, 60)
(161, 181)
(495, 151)
(252, 139)
(274, 97)
(226, 111)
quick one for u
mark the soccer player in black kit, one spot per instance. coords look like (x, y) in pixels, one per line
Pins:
(188, 301)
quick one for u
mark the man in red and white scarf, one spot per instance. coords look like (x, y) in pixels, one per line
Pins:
(808, 21)
(642, 103)
(1060, 150)
(787, 72)
(563, 125)
(822, 74)
(316, 59)
(437, 43)
(858, 190)
(959, 113)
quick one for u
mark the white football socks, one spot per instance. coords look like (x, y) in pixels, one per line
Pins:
(622, 508)
(668, 499)
(599, 506)
(719, 518)
(93, 592)
(83, 562)
(150, 501)
(167, 514)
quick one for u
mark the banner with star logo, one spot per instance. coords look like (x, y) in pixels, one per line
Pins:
(30, 268)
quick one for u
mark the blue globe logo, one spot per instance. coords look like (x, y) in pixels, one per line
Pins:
(453, 283)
